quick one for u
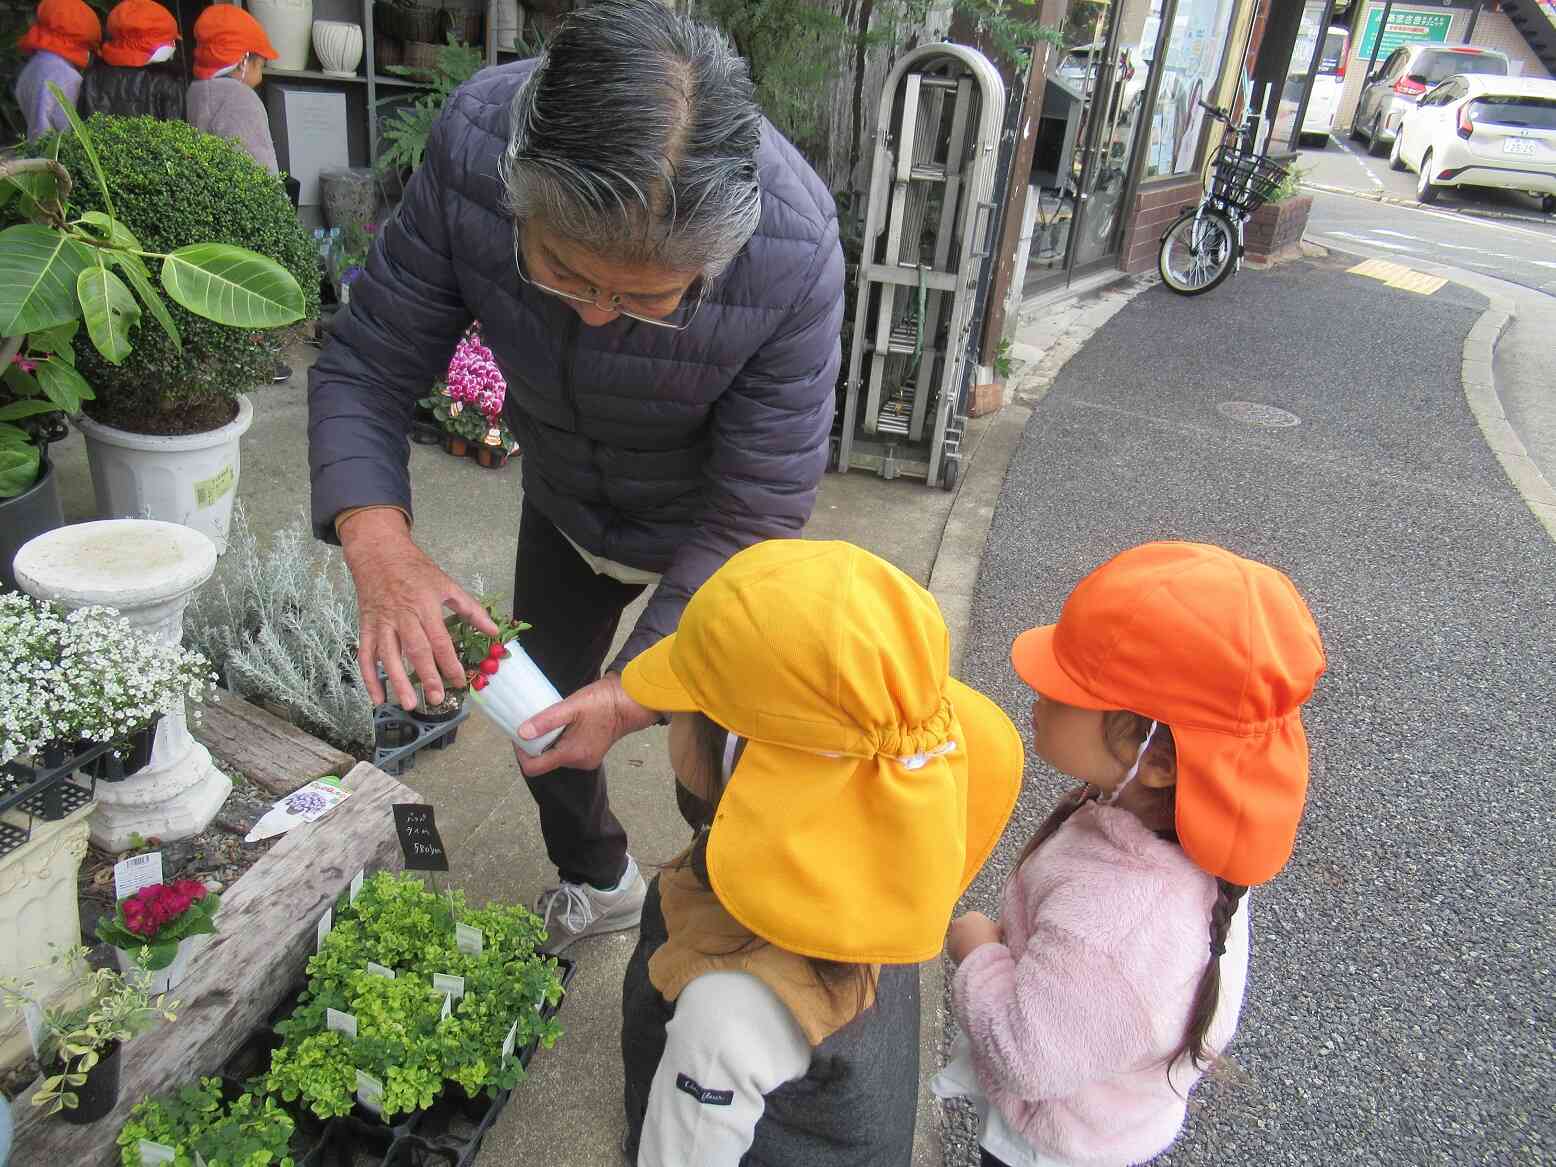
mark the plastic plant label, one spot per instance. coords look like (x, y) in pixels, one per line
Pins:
(379, 970)
(509, 1041)
(448, 1007)
(370, 1092)
(326, 922)
(341, 1022)
(151, 1152)
(304, 805)
(136, 872)
(448, 983)
(199, 1160)
(208, 490)
(35, 1026)
(356, 884)
(469, 940)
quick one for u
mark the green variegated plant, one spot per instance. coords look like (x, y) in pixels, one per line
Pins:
(60, 271)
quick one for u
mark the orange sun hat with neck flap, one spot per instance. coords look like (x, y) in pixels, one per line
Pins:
(224, 35)
(137, 30)
(1221, 650)
(67, 28)
(873, 785)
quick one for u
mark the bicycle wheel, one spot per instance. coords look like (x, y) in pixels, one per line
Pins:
(1196, 255)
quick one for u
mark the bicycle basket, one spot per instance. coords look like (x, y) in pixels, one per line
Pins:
(1243, 181)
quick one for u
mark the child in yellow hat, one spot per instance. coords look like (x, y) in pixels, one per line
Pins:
(844, 791)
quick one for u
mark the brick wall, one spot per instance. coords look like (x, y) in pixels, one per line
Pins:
(1156, 206)
(1275, 227)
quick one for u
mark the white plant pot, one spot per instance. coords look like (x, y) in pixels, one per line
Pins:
(289, 25)
(161, 980)
(513, 694)
(187, 478)
(338, 45)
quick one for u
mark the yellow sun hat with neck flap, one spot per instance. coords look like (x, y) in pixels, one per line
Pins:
(873, 785)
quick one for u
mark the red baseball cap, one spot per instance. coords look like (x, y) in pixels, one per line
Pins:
(224, 35)
(136, 30)
(1223, 651)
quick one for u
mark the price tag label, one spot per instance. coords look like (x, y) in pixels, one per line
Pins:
(370, 1092)
(356, 884)
(341, 1022)
(420, 842)
(326, 922)
(379, 970)
(136, 872)
(470, 941)
(151, 1152)
(508, 1042)
(448, 983)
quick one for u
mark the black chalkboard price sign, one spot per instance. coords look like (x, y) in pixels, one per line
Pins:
(419, 838)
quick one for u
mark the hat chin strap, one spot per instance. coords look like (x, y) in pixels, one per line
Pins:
(919, 761)
(1112, 796)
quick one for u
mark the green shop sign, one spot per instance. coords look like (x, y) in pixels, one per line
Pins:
(1405, 28)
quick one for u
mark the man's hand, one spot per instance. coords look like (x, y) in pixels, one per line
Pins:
(971, 931)
(597, 717)
(401, 595)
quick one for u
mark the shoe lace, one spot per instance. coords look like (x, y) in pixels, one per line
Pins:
(577, 910)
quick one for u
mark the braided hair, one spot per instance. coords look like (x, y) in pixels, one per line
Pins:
(1130, 729)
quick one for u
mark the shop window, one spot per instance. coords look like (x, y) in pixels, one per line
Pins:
(1191, 64)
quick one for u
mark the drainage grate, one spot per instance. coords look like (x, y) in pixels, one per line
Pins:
(1252, 413)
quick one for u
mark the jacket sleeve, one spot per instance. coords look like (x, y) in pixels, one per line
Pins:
(1042, 1024)
(769, 445)
(250, 125)
(385, 351)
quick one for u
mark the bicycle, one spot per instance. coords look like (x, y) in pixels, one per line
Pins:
(1204, 245)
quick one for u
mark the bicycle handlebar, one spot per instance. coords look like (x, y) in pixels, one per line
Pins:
(1217, 112)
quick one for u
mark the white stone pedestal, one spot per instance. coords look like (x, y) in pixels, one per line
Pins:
(39, 914)
(147, 570)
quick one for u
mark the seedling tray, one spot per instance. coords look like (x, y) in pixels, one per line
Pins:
(446, 1134)
(398, 736)
(45, 792)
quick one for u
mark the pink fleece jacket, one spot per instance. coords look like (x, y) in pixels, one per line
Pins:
(1071, 1020)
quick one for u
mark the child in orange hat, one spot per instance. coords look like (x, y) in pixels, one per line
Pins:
(231, 49)
(843, 789)
(63, 36)
(1172, 688)
(135, 75)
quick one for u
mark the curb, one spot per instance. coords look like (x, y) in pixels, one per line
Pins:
(1377, 196)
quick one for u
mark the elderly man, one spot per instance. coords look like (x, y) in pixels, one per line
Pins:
(657, 273)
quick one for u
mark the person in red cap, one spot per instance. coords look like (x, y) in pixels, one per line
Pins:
(1171, 688)
(135, 74)
(62, 39)
(231, 49)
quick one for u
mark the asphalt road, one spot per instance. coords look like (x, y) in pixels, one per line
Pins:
(1346, 164)
(1402, 992)
(1516, 251)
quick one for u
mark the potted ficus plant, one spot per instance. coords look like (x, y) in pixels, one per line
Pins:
(469, 404)
(153, 931)
(80, 1045)
(166, 406)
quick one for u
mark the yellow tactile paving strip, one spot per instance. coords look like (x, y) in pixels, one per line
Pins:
(1397, 275)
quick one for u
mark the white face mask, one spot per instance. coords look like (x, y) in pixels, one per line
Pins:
(159, 54)
(1111, 797)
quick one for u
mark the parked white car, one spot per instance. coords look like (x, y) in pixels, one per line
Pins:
(1323, 99)
(1482, 131)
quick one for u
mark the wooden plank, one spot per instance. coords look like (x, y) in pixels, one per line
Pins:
(268, 925)
(270, 752)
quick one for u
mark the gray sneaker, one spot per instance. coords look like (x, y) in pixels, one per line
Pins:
(572, 911)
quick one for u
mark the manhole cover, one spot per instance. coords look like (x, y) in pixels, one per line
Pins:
(1253, 413)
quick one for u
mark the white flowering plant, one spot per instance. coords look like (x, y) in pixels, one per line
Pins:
(86, 676)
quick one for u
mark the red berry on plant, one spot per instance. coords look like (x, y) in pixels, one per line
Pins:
(489, 666)
(496, 652)
(478, 682)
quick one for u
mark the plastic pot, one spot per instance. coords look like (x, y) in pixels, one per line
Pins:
(513, 694)
(158, 980)
(492, 457)
(100, 1092)
(456, 446)
(31, 513)
(137, 756)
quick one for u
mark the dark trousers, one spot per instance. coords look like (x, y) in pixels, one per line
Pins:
(987, 1160)
(574, 612)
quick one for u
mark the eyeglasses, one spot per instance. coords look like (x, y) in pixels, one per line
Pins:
(593, 300)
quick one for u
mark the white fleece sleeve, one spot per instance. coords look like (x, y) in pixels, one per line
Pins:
(730, 1043)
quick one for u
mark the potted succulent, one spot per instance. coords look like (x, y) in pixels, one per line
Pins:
(80, 1045)
(153, 931)
(469, 404)
(218, 1124)
(164, 419)
(85, 677)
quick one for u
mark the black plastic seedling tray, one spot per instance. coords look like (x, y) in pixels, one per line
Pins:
(446, 1134)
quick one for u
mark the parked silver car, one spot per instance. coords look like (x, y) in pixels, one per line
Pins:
(1407, 73)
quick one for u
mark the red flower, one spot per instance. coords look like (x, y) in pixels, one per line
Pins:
(152, 908)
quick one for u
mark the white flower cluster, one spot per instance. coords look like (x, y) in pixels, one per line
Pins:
(85, 676)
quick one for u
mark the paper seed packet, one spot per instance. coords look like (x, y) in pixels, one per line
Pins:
(303, 805)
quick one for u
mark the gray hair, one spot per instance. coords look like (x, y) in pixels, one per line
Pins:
(637, 137)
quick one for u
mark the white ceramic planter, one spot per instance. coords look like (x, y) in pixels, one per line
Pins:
(513, 694)
(188, 478)
(338, 45)
(289, 25)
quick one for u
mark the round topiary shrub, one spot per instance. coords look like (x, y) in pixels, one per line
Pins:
(173, 185)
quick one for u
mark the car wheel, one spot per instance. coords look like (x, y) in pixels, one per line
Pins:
(1396, 153)
(1374, 142)
(1548, 204)
(1426, 190)
(1355, 132)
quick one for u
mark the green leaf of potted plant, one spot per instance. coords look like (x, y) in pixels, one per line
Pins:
(203, 1119)
(152, 931)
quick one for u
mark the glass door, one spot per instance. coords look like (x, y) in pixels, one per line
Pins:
(1092, 107)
